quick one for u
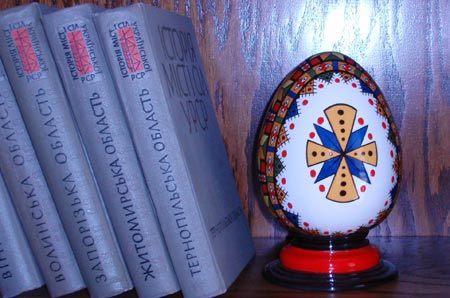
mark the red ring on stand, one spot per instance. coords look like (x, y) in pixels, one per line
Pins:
(330, 261)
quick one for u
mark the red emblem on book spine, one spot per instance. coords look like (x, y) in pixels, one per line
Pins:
(130, 49)
(26, 51)
(80, 52)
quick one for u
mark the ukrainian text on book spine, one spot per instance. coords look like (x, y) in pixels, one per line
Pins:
(19, 271)
(42, 101)
(128, 48)
(31, 197)
(196, 127)
(103, 128)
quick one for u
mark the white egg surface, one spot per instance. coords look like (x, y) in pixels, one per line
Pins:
(329, 151)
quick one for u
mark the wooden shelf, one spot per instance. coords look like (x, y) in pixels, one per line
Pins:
(423, 264)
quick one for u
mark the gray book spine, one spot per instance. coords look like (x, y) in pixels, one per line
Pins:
(75, 45)
(127, 46)
(31, 197)
(19, 271)
(48, 118)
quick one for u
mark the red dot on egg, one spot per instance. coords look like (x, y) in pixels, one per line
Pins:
(354, 85)
(283, 180)
(284, 153)
(290, 205)
(386, 203)
(393, 179)
(372, 173)
(361, 121)
(321, 86)
(305, 102)
(363, 188)
(384, 125)
(306, 224)
(370, 222)
(349, 231)
(370, 136)
(320, 120)
(322, 188)
(392, 153)
(291, 126)
(337, 80)
(312, 135)
(313, 173)
(371, 102)
(326, 233)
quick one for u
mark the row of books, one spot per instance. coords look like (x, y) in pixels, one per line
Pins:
(114, 173)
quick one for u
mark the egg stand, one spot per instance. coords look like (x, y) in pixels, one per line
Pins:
(325, 264)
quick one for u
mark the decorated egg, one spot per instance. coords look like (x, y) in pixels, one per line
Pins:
(328, 155)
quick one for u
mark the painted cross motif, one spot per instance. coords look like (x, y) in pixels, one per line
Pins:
(341, 153)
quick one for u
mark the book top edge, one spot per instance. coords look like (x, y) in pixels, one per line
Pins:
(30, 8)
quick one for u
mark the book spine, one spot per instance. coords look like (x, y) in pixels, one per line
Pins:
(128, 48)
(19, 271)
(104, 131)
(48, 118)
(31, 197)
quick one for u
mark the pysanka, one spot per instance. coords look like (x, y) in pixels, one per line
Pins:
(329, 151)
